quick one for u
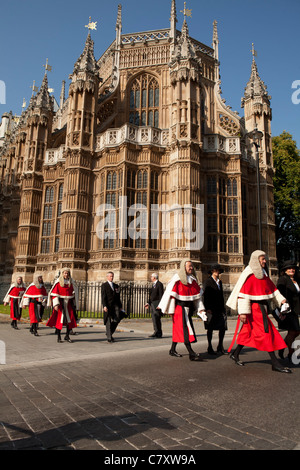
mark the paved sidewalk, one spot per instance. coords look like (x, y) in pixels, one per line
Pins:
(131, 395)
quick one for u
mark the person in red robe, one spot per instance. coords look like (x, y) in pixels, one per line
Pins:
(13, 297)
(251, 297)
(35, 297)
(181, 298)
(63, 299)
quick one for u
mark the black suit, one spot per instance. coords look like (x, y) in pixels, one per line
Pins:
(288, 289)
(213, 300)
(111, 300)
(155, 295)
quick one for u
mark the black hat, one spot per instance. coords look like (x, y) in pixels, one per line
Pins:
(216, 267)
(288, 264)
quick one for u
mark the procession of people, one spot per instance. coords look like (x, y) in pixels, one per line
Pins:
(253, 298)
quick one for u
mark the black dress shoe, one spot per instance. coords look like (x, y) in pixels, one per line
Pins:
(67, 338)
(236, 360)
(221, 351)
(174, 353)
(281, 369)
(195, 357)
(211, 352)
(153, 336)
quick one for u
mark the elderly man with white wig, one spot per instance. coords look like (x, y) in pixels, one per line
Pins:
(181, 299)
(63, 299)
(250, 298)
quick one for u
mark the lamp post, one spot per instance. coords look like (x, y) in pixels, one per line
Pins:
(256, 137)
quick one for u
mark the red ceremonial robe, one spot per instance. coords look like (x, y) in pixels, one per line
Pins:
(184, 295)
(259, 332)
(64, 297)
(15, 295)
(32, 296)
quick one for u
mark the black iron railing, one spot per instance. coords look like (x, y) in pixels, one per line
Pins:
(133, 297)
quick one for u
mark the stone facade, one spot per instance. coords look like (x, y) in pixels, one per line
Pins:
(145, 124)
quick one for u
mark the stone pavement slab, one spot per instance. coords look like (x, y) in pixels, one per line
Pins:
(132, 396)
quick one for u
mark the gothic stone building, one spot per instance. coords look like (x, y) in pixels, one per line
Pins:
(145, 124)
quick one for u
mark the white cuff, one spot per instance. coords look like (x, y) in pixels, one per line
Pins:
(202, 315)
(244, 306)
(55, 301)
(171, 309)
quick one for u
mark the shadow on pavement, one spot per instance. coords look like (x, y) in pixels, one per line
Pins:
(106, 430)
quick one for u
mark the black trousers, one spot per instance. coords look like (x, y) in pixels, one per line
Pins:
(112, 322)
(156, 319)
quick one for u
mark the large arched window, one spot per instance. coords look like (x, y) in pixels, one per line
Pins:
(144, 101)
(52, 219)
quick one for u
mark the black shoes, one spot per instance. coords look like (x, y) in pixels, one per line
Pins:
(67, 338)
(193, 357)
(156, 335)
(211, 352)
(33, 330)
(281, 369)
(174, 353)
(276, 368)
(221, 350)
(196, 357)
(236, 360)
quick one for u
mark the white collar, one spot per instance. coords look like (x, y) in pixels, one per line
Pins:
(190, 279)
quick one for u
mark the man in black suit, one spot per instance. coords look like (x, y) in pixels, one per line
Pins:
(155, 295)
(213, 300)
(112, 306)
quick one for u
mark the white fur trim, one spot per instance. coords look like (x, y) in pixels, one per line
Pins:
(187, 298)
(55, 301)
(171, 310)
(244, 306)
(233, 298)
(278, 297)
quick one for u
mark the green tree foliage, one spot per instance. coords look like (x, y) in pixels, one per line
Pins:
(287, 196)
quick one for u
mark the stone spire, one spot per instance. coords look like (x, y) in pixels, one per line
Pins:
(215, 42)
(116, 72)
(62, 94)
(119, 26)
(43, 99)
(187, 49)
(173, 21)
(255, 87)
(87, 61)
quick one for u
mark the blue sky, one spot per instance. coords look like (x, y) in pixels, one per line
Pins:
(34, 30)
